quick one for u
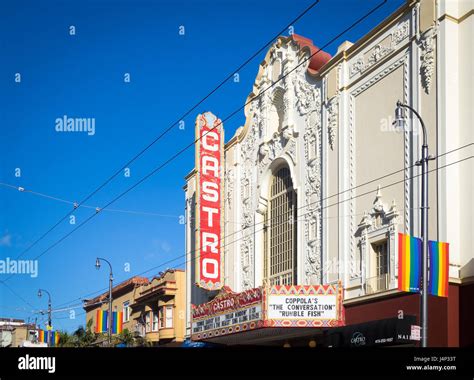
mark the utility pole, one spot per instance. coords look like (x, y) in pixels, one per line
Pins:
(423, 162)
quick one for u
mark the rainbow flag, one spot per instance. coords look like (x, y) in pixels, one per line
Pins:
(439, 268)
(101, 321)
(117, 322)
(54, 338)
(409, 263)
(41, 336)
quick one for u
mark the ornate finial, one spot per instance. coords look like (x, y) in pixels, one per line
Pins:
(393, 207)
(378, 196)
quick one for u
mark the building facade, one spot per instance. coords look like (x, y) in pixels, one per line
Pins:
(18, 333)
(151, 309)
(159, 309)
(318, 183)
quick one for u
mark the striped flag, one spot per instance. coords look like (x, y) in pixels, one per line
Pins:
(54, 338)
(117, 322)
(439, 268)
(101, 321)
(409, 263)
(43, 337)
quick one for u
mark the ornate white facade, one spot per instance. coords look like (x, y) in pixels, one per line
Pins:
(354, 176)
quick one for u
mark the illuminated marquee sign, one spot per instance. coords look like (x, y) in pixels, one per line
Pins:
(304, 306)
(227, 313)
(278, 306)
(209, 158)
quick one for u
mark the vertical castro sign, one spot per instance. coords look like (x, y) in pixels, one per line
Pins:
(209, 158)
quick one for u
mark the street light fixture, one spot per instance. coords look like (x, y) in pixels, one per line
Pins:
(111, 280)
(423, 162)
(50, 325)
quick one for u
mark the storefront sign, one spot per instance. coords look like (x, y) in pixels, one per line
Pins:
(209, 155)
(383, 332)
(415, 332)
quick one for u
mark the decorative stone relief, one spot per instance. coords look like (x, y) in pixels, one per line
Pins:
(427, 58)
(247, 263)
(312, 211)
(305, 95)
(332, 121)
(381, 50)
(229, 181)
(401, 32)
(247, 189)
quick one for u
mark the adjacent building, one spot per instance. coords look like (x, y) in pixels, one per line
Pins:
(317, 184)
(18, 333)
(159, 308)
(151, 309)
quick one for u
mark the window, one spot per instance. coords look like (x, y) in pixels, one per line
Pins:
(280, 256)
(126, 311)
(162, 318)
(379, 280)
(155, 321)
(381, 259)
(166, 317)
(147, 322)
(169, 316)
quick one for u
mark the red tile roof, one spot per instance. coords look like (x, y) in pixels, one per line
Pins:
(131, 281)
(320, 57)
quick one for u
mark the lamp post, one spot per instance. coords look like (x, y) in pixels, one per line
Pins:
(423, 162)
(50, 326)
(111, 280)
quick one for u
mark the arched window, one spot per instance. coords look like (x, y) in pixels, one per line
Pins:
(280, 231)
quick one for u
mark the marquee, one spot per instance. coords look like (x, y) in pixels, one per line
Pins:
(277, 306)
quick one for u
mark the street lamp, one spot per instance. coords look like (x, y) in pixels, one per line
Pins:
(50, 326)
(111, 280)
(423, 162)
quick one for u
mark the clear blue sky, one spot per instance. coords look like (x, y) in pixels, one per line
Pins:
(82, 76)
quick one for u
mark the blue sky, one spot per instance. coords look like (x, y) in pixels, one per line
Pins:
(83, 76)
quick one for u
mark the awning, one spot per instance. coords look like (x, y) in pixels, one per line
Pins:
(383, 332)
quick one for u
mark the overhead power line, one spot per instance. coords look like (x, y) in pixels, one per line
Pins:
(195, 257)
(169, 128)
(172, 158)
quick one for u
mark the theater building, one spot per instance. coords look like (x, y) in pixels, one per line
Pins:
(317, 184)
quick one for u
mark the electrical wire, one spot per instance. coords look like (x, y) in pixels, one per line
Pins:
(167, 130)
(195, 257)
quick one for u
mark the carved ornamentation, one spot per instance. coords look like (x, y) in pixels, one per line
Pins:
(357, 67)
(378, 220)
(305, 95)
(427, 57)
(229, 181)
(312, 211)
(401, 32)
(380, 51)
(332, 121)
